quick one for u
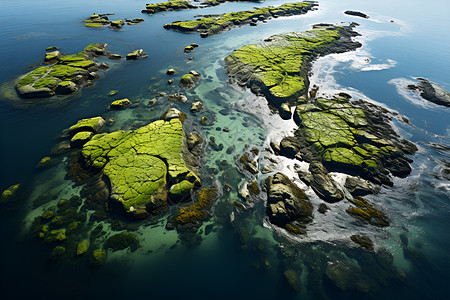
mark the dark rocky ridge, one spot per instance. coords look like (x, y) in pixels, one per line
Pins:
(432, 92)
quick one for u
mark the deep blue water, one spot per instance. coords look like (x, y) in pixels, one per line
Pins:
(416, 44)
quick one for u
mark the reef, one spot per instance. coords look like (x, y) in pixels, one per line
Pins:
(211, 25)
(431, 91)
(278, 66)
(167, 6)
(143, 164)
(66, 74)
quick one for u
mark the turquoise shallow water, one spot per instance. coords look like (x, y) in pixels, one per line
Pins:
(245, 258)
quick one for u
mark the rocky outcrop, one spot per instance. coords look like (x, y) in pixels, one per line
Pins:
(356, 14)
(278, 67)
(167, 6)
(142, 165)
(350, 137)
(432, 92)
(211, 25)
(139, 53)
(65, 76)
(287, 204)
(189, 80)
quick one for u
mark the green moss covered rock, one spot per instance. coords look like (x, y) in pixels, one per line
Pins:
(195, 213)
(278, 66)
(91, 124)
(120, 104)
(82, 247)
(63, 77)
(211, 25)
(10, 193)
(169, 5)
(141, 163)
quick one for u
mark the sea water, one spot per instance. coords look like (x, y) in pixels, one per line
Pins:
(245, 258)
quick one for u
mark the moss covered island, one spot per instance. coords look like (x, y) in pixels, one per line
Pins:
(167, 6)
(211, 25)
(142, 164)
(278, 66)
(65, 75)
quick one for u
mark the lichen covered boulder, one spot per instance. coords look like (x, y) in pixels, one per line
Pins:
(90, 124)
(120, 104)
(139, 53)
(65, 76)
(278, 66)
(142, 164)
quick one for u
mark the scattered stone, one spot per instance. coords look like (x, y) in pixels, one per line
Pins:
(10, 193)
(94, 125)
(115, 56)
(80, 138)
(177, 98)
(173, 113)
(171, 72)
(213, 145)
(204, 120)
(137, 54)
(116, 24)
(188, 81)
(196, 106)
(112, 93)
(120, 104)
(82, 247)
(323, 208)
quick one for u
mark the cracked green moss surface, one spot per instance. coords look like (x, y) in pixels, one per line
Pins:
(279, 64)
(140, 163)
(169, 5)
(340, 134)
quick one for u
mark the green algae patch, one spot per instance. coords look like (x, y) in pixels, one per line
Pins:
(211, 25)
(141, 164)
(278, 66)
(98, 257)
(46, 81)
(82, 247)
(166, 6)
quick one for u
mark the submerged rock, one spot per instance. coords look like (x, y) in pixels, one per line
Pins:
(364, 211)
(216, 24)
(363, 241)
(65, 76)
(10, 193)
(98, 257)
(120, 104)
(286, 202)
(122, 241)
(140, 163)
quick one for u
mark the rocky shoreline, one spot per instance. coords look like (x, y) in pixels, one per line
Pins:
(212, 25)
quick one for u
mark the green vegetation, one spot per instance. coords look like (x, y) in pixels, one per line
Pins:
(278, 65)
(43, 81)
(169, 5)
(363, 210)
(122, 241)
(216, 24)
(140, 163)
(196, 212)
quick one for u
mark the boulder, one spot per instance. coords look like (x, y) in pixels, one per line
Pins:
(196, 106)
(94, 125)
(52, 56)
(81, 138)
(98, 257)
(173, 113)
(171, 72)
(120, 104)
(136, 54)
(356, 13)
(360, 187)
(323, 185)
(286, 202)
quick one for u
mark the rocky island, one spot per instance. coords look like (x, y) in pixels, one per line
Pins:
(334, 134)
(431, 91)
(62, 74)
(167, 6)
(211, 25)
